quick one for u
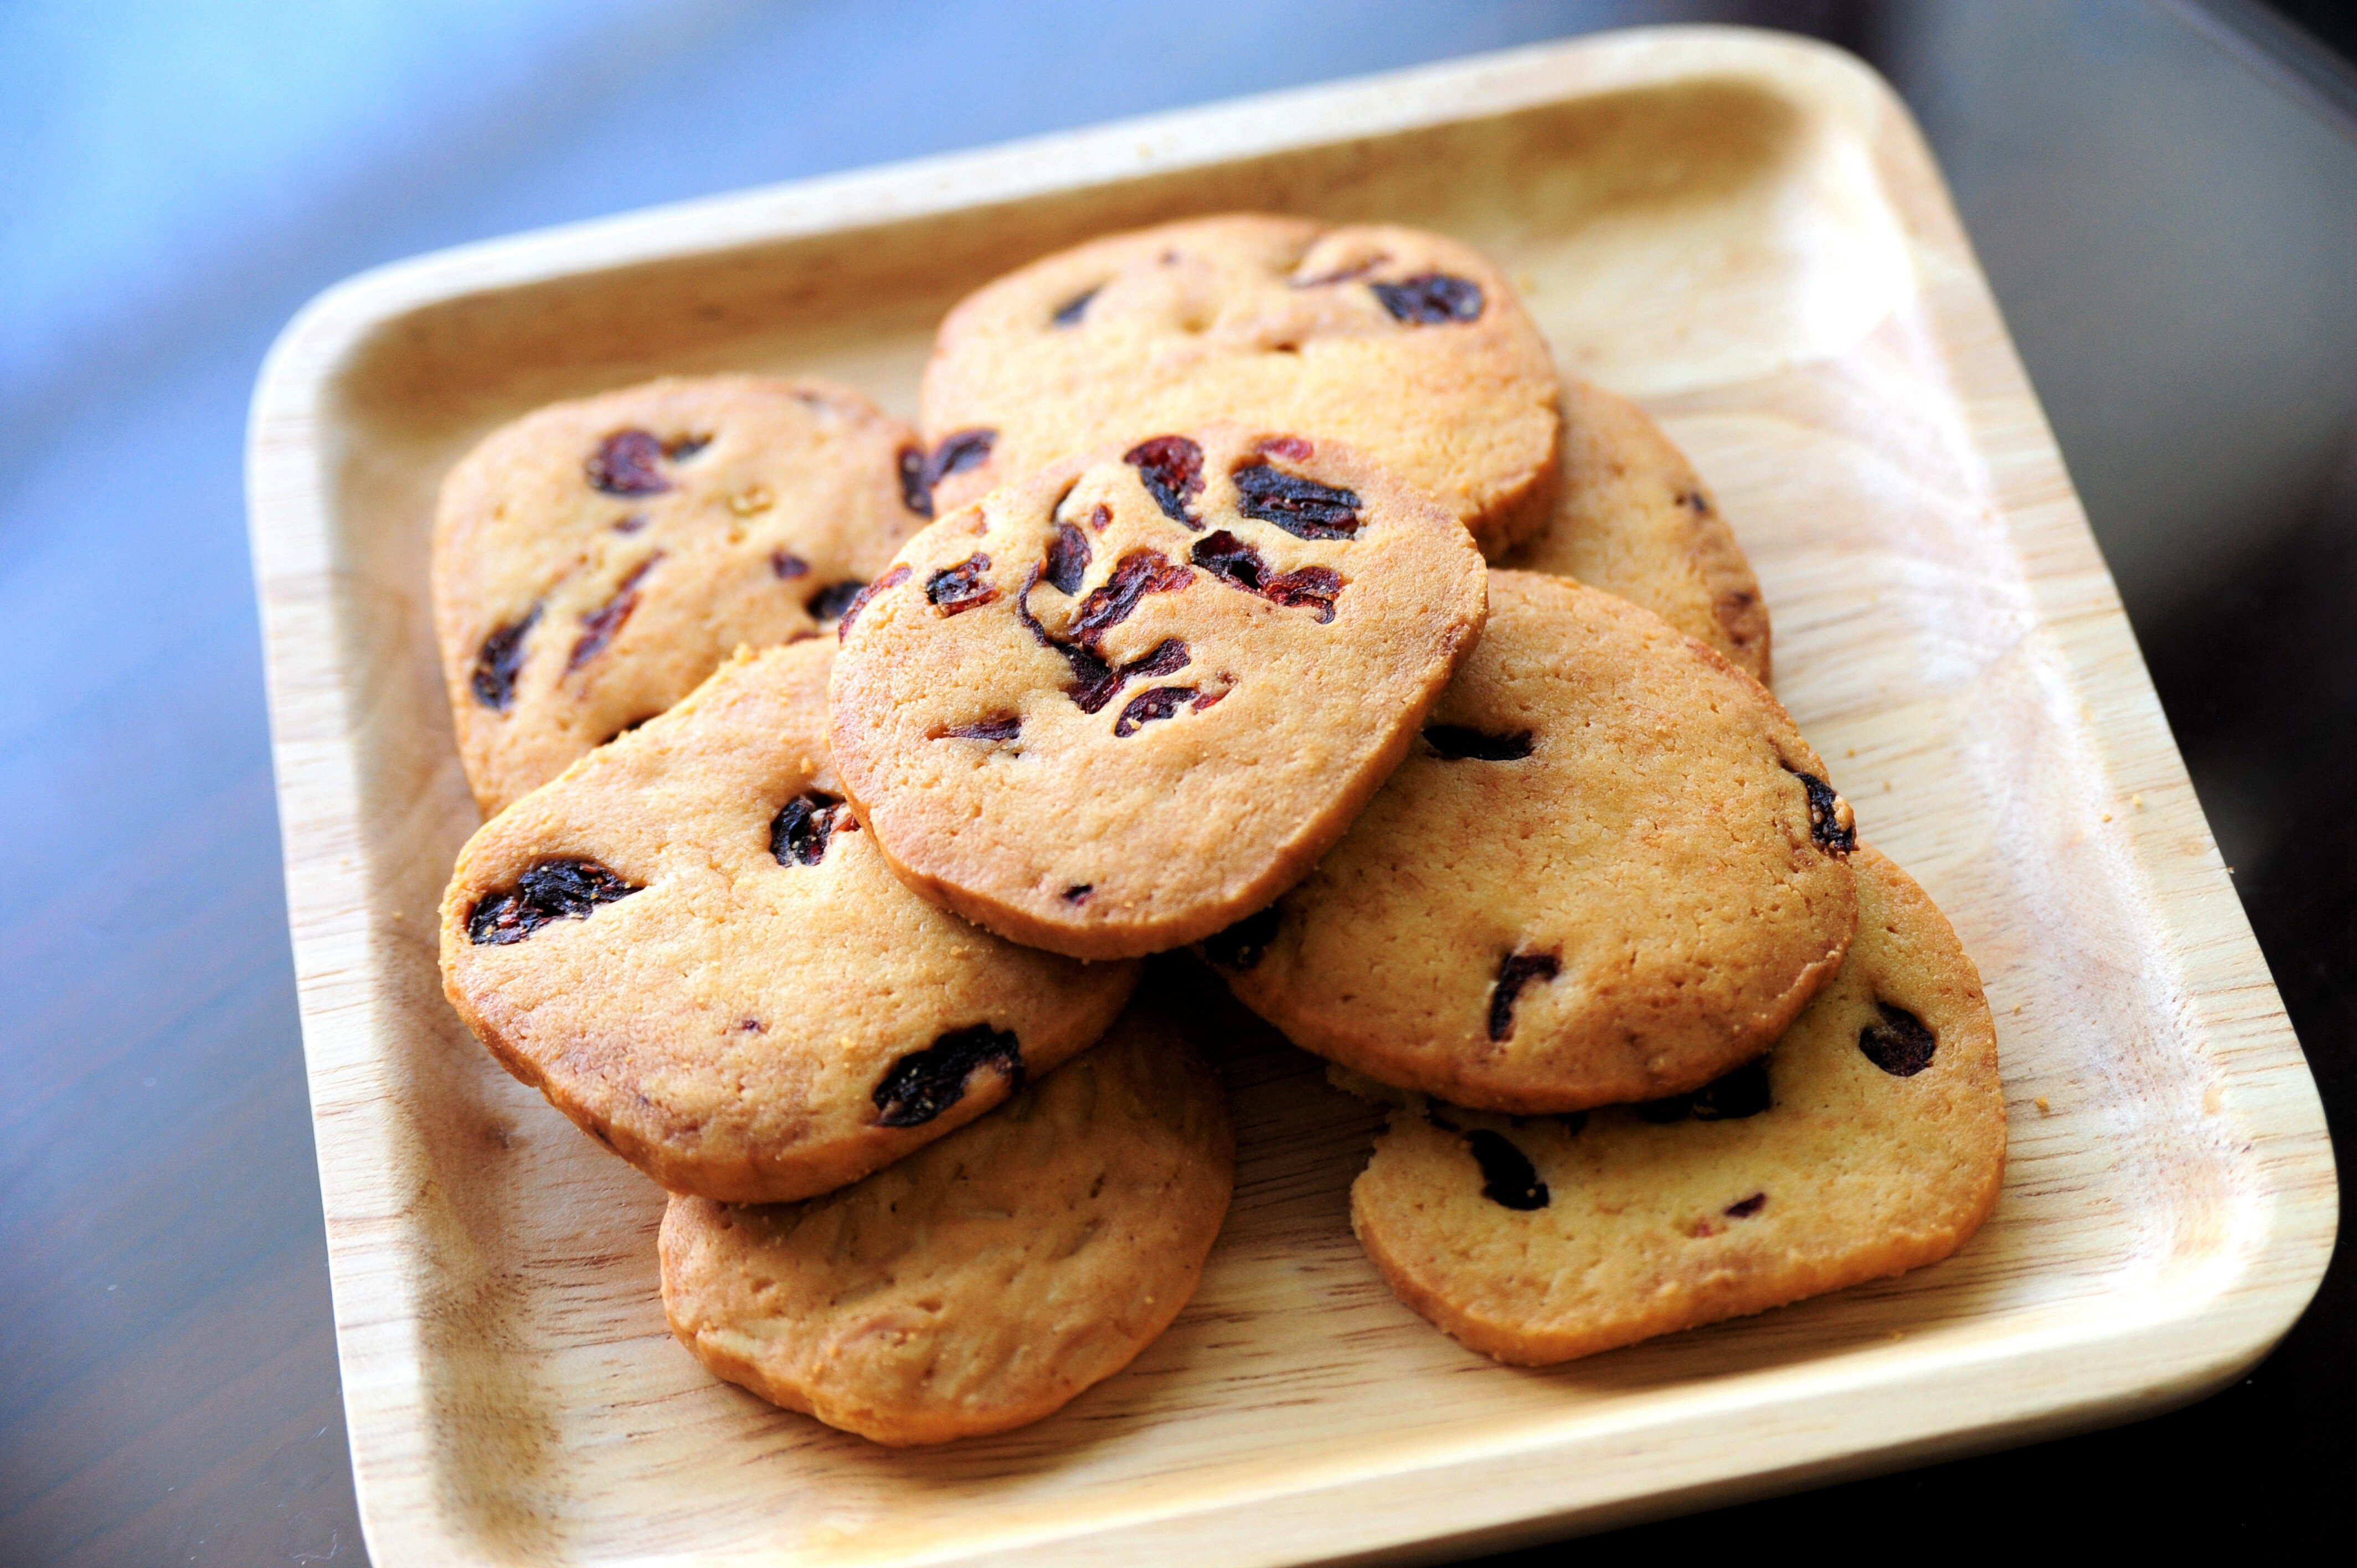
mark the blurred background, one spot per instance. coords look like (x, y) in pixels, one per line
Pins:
(2164, 193)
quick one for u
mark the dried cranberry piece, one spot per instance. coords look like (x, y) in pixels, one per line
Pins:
(953, 590)
(1732, 1095)
(629, 463)
(835, 600)
(859, 601)
(999, 726)
(1745, 1207)
(1225, 556)
(1231, 560)
(1068, 314)
(1093, 681)
(786, 565)
(799, 833)
(1518, 971)
(1303, 508)
(1172, 469)
(1068, 559)
(500, 660)
(916, 491)
(1243, 945)
(1312, 589)
(566, 889)
(1454, 743)
(602, 625)
(1136, 574)
(1153, 703)
(1096, 681)
(1508, 1178)
(1429, 299)
(958, 451)
(923, 1084)
(1167, 657)
(1827, 809)
(1900, 1044)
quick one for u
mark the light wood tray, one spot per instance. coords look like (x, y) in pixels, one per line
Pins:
(1742, 230)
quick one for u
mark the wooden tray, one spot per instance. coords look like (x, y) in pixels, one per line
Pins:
(1743, 230)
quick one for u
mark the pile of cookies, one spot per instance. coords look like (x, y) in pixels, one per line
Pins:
(1256, 590)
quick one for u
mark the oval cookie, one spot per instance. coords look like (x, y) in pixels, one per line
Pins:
(595, 561)
(984, 1282)
(1631, 517)
(1119, 703)
(1609, 869)
(1407, 345)
(1870, 1140)
(689, 946)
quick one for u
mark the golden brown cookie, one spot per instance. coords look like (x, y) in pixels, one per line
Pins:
(1609, 869)
(984, 1282)
(1118, 705)
(689, 946)
(1631, 517)
(1407, 345)
(595, 561)
(1870, 1140)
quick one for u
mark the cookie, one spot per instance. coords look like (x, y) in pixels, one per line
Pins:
(1870, 1140)
(984, 1282)
(1118, 705)
(686, 942)
(1631, 517)
(595, 561)
(1611, 869)
(1409, 346)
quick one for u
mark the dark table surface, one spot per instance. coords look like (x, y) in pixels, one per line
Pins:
(2164, 194)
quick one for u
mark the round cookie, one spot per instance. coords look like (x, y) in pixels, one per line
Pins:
(1407, 345)
(1118, 705)
(1870, 1140)
(1611, 869)
(1631, 517)
(984, 1282)
(688, 945)
(595, 561)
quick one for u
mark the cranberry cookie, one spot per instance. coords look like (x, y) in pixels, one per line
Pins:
(1870, 1140)
(1407, 345)
(1631, 517)
(1611, 869)
(984, 1282)
(688, 945)
(595, 561)
(1122, 703)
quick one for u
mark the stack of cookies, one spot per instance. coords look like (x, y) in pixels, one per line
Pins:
(1256, 589)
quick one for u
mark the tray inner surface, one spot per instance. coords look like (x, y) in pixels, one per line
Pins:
(1728, 252)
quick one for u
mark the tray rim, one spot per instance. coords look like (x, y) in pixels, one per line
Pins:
(1826, 1422)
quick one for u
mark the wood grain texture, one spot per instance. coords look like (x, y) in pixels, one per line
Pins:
(1743, 230)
